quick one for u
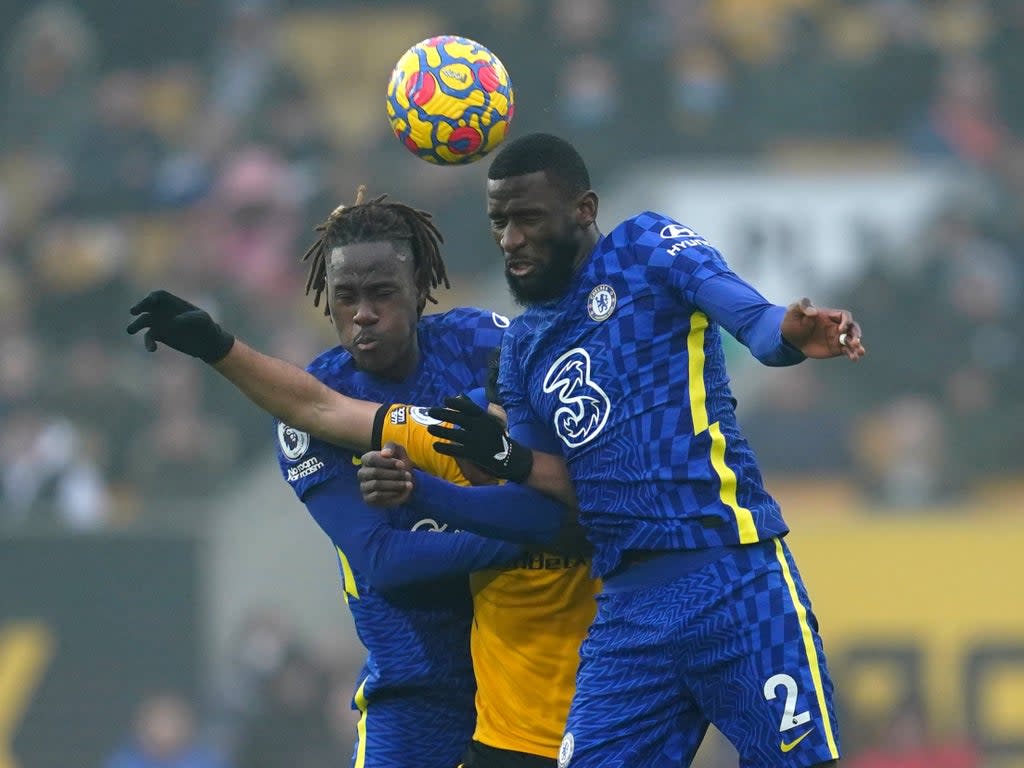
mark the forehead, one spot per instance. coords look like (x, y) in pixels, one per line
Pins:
(384, 260)
(531, 190)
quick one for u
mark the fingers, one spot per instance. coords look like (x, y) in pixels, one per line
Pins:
(149, 341)
(446, 414)
(144, 320)
(146, 304)
(463, 404)
(383, 481)
(385, 494)
(459, 410)
(383, 460)
(152, 301)
(451, 449)
(446, 433)
(850, 341)
(162, 301)
(806, 306)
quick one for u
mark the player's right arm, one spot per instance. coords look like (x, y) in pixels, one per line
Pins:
(283, 390)
(298, 398)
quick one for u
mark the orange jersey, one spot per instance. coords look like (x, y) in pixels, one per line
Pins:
(529, 620)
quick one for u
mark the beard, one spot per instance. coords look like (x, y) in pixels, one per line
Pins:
(547, 282)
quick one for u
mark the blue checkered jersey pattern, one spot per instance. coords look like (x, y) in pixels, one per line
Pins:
(629, 375)
(417, 636)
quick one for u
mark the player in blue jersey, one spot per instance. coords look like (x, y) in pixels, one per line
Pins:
(376, 263)
(616, 367)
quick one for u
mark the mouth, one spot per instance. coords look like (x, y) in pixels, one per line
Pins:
(518, 268)
(365, 343)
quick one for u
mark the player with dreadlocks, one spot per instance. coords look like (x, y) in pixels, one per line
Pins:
(355, 223)
(374, 264)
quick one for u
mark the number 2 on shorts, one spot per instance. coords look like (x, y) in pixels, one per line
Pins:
(790, 717)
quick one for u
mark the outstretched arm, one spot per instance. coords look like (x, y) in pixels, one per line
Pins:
(778, 335)
(298, 398)
(283, 390)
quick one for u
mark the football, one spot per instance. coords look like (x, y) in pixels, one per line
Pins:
(450, 100)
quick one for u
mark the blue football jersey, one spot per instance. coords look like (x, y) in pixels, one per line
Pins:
(417, 637)
(629, 376)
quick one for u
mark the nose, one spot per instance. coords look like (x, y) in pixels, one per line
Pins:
(365, 314)
(512, 238)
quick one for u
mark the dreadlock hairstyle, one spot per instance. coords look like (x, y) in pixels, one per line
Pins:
(377, 220)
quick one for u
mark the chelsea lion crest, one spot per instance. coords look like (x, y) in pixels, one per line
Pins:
(601, 302)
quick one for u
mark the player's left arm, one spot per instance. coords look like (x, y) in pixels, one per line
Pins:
(775, 335)
(778, 335)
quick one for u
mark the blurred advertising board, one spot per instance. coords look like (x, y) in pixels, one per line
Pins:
(923, 612)
(89, 625)
(795, 232)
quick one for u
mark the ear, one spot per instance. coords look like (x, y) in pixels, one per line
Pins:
(586, 209)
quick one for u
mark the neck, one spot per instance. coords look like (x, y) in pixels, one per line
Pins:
(590, 238)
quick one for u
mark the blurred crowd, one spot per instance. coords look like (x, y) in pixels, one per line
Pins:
(194, 146)
(278, 701)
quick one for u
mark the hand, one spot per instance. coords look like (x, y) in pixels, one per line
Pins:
(385, 477)
(481, 438)
(474, 474)
(180, 325)
(820, 332)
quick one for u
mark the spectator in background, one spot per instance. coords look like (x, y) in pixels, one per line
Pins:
(255, 228)
(781, 107)
(1004, 53)
(117, 155)
(244, 66)
(963, 121)
(50, 473)
(49, 70)
(164, 737)
(291, 731)
(182, 439)
(257, 649)
(893, 85)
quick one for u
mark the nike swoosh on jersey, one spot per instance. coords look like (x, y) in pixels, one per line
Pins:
(786, 746)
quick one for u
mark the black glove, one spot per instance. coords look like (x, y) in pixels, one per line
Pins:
(182, 326)
(481, 439)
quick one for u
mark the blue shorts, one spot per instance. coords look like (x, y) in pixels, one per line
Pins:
(397, 732)
(733, 643)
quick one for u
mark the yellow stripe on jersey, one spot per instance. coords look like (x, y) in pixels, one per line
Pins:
(699, 414)
(361, 705)
(812, 652)
(695, 353)
(348, 578)
(727, 487)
